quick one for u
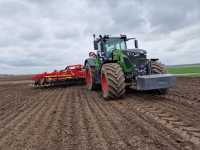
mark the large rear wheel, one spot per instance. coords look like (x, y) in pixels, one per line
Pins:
(112, 81)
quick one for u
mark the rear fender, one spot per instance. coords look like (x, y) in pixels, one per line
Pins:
(154, 59)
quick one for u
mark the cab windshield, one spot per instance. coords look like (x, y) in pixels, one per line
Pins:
(114, 44)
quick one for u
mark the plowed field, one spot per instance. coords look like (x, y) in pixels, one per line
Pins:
(77, 119)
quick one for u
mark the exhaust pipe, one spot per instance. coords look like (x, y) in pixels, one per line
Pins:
(136, 43)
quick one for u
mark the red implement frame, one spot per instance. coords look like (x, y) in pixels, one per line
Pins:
(70, 74)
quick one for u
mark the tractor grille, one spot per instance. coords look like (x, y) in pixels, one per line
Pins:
(139, 61)
(136, 59)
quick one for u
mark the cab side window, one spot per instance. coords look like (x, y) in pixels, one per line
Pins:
(99, 46)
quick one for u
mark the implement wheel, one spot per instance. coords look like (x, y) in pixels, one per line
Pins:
(112, 81)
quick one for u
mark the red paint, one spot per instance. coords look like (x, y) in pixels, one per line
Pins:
(104, 84)
(70, 72)
(89, 77)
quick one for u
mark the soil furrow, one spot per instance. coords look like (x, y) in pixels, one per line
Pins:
(169, 119)
(26, 137)
(95, 135)
(73, 118)
(80, 139)
(10, 114)
(52, 133)
(190, 115)
(169, 135)
(193, 104)
(13, 114)
(110, 133)
(134, 135)
(67, 122)
(21, 120)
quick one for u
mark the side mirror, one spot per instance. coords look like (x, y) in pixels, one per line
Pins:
(136, 43)
(95, 45)
(92, 55)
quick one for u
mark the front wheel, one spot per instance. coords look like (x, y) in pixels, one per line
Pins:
(158, 68)
(112, 81)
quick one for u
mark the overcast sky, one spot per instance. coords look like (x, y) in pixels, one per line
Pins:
(43, 35)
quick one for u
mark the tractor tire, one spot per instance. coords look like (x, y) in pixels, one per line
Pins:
(112, 81)
(158, 68)
(90, 78)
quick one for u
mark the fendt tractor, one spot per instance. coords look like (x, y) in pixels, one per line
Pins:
(115, 67)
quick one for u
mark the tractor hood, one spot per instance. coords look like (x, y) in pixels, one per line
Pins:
(136, 52)
(137, 58)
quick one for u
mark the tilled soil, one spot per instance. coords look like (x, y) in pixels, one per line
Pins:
(77, 119)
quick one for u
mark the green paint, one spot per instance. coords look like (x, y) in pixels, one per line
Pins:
(119, 57)
(98, 63)
(182, 70)
(191, 70)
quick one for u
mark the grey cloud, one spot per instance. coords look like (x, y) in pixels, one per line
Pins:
(166, 16)
(117, 17)
(67, 33)
(31, 34)
(49, 34)
(11, 8)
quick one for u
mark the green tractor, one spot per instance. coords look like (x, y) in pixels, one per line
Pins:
(115, 67)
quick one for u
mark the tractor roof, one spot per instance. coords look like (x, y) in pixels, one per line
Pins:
(106, 37)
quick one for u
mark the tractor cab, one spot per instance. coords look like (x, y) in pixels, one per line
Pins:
(106, 45)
